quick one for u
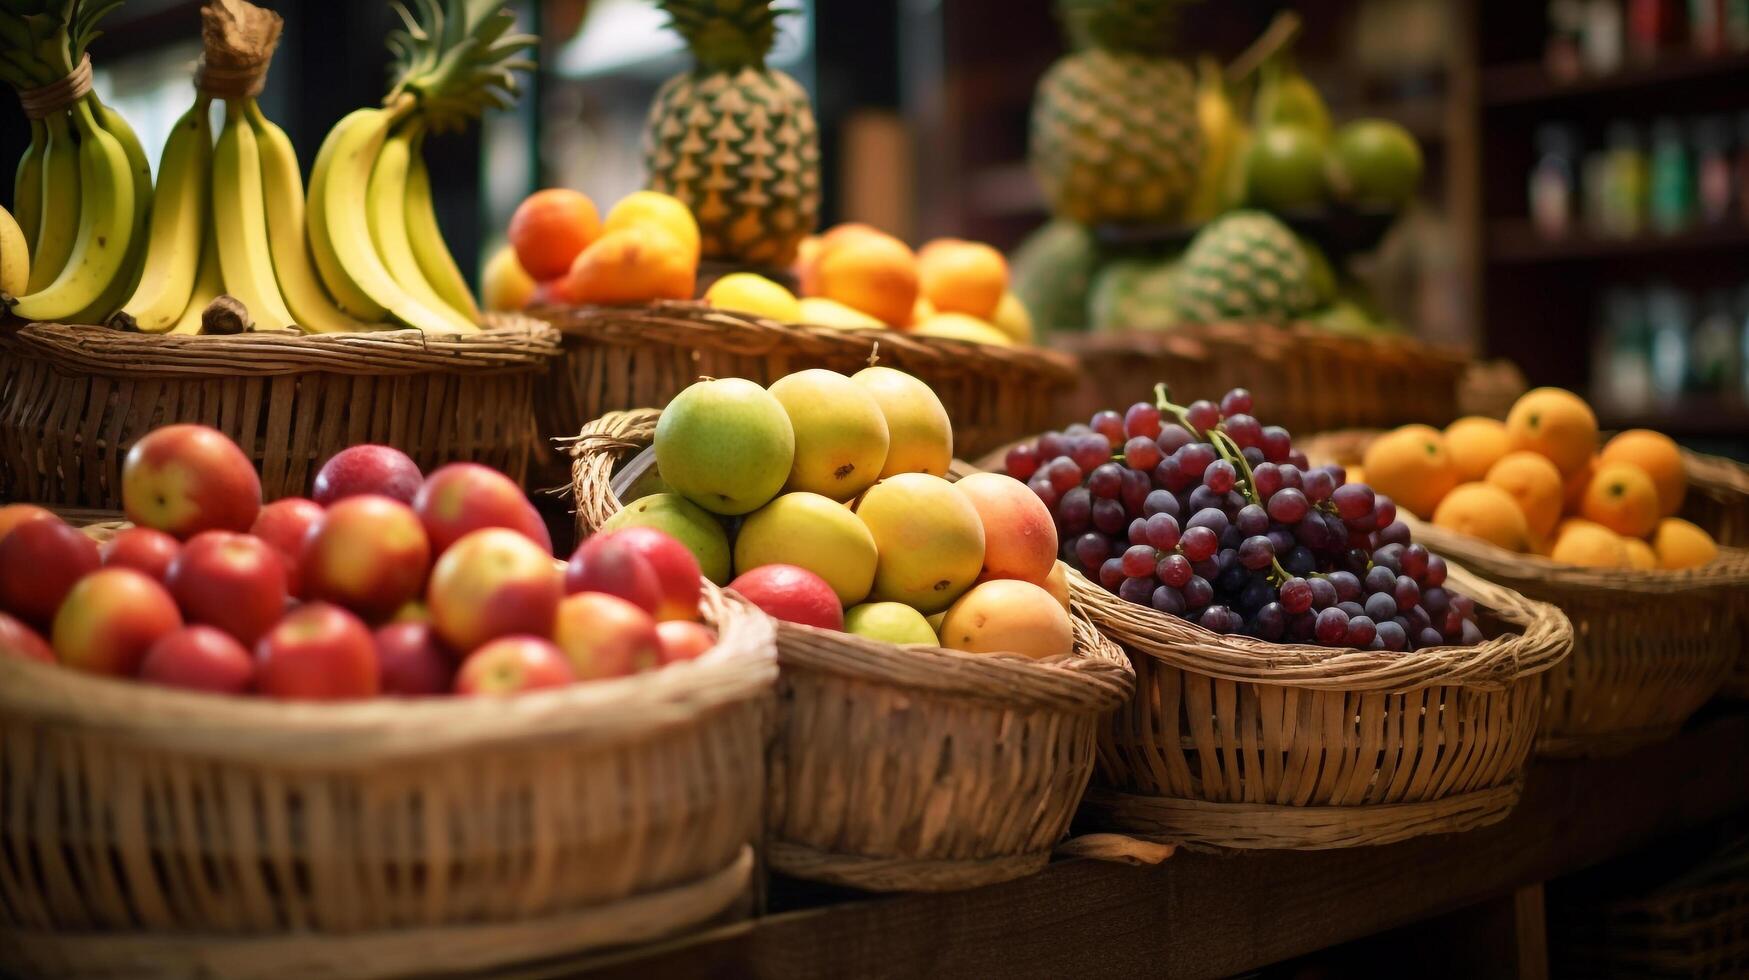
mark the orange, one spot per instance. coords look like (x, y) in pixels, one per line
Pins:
(1411, 464)
(1557, 424)
(1535, 484)
(959, 276)
(1655, 453)
(1622, 498)
(1475, 444)
(1640, 554)
(1482, 510)
(631, 265)
(551, 228)
(868, 271)
(659, 210)
(1585, 543)
(922, 310)
(1575, 485)
(1680, 544)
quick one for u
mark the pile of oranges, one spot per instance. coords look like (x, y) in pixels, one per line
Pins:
(562, 251)
(1539, 483)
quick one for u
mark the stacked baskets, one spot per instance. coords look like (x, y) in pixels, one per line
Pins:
(907, 768)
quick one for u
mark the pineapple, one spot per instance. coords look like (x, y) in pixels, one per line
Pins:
(1115, 135)
(1245, 265)
(734, 140)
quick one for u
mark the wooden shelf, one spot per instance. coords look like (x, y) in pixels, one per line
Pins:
(1201, 915)
(1688, 417)
(1529, 83)
(1516, 242)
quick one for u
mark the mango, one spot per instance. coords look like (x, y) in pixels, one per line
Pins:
(1008, 616)
(1680, 544)
(815, 533)
(841, 433)
(1020, 536)
(891, 622)
(929, 538)
(919, 435)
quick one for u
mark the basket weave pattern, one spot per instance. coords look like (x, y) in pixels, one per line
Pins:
(908, 768)
(74, 399)
(628, 357)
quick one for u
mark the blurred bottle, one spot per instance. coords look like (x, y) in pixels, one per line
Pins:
(1712, 357)
(1623, 352)
(1670, 200)
(1651, 28)
(1737, 25)
(1712, 169)
(1602, 41)
(1741, 180)
(1566, 27)
(1706, 26)
(1553, 180)
(1667, 321)
(1624, 191)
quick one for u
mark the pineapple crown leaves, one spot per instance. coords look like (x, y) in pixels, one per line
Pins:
(1127, 26)
(457, 58)
(725, 35)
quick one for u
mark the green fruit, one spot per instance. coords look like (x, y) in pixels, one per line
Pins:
(684, 521)
(1286, 98)
(726, 445)
(815, 533)
(1375, 161)
(1051, 272)
(1322, 277)
(1245, 266)
(1134, 294)
(892, 622)
(1284, 168)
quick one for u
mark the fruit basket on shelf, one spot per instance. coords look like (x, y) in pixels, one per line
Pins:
(77, 397)
(903, 767)
(1648, 646)
(241, 837)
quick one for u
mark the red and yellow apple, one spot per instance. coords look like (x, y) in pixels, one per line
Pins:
(464, 497)
(412, 661)
(683, 639)
(39, 562)
(357, 470)
(199, 658)
(285, 524)
(676, 567)
(141, 549)
(491, 583)
(110, 619)
(605, 636)
(512, 664)
(13, 515)
(19, 640)
(604, 563)
(318, 652)
(792, 594)
(185, 479)
(367, 553)
(235, 582)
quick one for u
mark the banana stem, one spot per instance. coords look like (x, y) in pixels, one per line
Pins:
(1281, 32)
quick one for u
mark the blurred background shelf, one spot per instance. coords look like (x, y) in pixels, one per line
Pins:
(1529, 82)
(1517, 242)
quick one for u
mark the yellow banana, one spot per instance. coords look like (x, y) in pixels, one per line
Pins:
(14, 256)
(173, 244)
(429, 249)
(283, 186)
(128, 277)
(340, 225)
(106, 224)
(1222, 131)
(239, 219)
(58, 224)
(387, 216)
(209, 282)
(27, 186)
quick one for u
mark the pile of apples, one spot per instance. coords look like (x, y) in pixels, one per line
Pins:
(387, 582)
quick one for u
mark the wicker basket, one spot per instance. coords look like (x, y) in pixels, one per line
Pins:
(1650, 647)
(1301, 376)
(158, 832)
(74, 399)
(908, 768)
(629, 357)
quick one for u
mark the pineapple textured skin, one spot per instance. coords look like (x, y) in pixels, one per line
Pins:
(1244, 266)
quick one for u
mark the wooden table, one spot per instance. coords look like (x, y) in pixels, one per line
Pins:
(1209, 915)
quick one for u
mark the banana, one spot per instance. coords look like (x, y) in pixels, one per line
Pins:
(58, 225)
(283, 186)
(239, 219)
(106, 224)
(174, 241)
(1222, 131)
(14, 256)
(429, 249)
(27, 186)
(209, 282)
(386, 198)
(128, 278)
(340, 225)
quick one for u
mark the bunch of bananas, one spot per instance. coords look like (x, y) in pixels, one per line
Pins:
(84, 186)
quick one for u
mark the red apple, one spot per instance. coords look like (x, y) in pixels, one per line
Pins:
(512, 664)
(185, 479)
(285, 524)
(318, 652)
(382, 470)
(683, 639)
(13, 515)
(369, 554)
(141, 549)
(605, 636)
(19, 640)
(39, 562)
(792, 594)
(676, 570)
(492, 583)
(604, 563)
(110, 619)
(235, 582)
(199, 658)
(463, 497)
(412, 661)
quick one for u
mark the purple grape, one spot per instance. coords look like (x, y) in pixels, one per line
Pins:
(1168, 600)
(1318, 486)
(1292, 477)
(1356, 559)
(1270, 623)
(1140, 453)
(1379, 579)
(1173, 570)
(1298, 458)
(1231, 539)
(1106, 481)
(1161, 531)
(1429, 637)
(1323, 593)
(1194, 458)
(1275, 443)
(1435, 574)
(1202, 415)
(1052, 445)
(1436, 601)
(1137, 590)
(1353, 501)
(1332, 627)
(1202, 498)
(1288, 506)
(1138, 531)
(1159, 502)
(1253, 456)
(1380, 606)
(1338, 473)
(1252, 519)
(1312, 532)
(1256, 552)
(1109, 516)
(1419, 619)
(1347, 586)
(1173, 437)
(1138, 561)
(1265, 480)
(1090, 450)
(1299, 561)
(1217, 619)
(1385, 508)
(1211, 518)
(1281, 538)
(1395, 532)
(1414, 561)
(1452, 626)
(1236, 402)
(1391, 557)
(1462, 604)
(1198, 592)
(1141, 419)
(1135, 490)
(1296, 595)
(1198, 543)
(1076, 430)
(1170, 475)
(1111, 573)
(1219, 476)
(1407, 593)
(1244, 430)
(1256, 594)
(1091, 550)
(1391, 635)
(1360, 631)
(1110, 425)
(1021, 462)
(1063, 474)
(1207, 568)
(1232, 503)
(1301, 626)
(1045, 490)
(1353, 609)
(1075, 510)
(1233, 576)
(1472, 635)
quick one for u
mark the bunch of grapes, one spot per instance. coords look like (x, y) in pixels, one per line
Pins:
(1203, 512)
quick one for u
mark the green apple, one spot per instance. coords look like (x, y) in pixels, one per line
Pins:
(816, 533)
(893, 622)
(684, 521)
(726, 445)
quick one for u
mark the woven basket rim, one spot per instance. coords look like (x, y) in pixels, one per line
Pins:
(1547, 576)
(1096, 676)
(741, 333)
(509, 343)
(1271, 338)
(739, 667)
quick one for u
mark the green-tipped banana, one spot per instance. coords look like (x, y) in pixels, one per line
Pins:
(429, 249)
(209, 282)
(283, 186)
(387, 217)
(174, 241)
(340, 225)
(239, 218)
(128, 278)
(106, 224)
(58, 222)
(27, 186)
